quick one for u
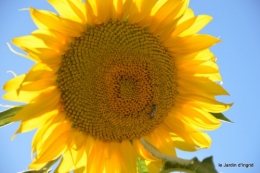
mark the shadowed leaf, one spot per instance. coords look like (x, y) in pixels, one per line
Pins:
(141, 165)
(220, 116)
(7, 115)
(206, 166)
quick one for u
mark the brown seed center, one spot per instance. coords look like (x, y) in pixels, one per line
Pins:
(112, 79)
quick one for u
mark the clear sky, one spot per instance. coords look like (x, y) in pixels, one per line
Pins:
(236, 22)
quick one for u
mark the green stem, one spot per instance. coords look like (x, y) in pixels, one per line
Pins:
(177, 169)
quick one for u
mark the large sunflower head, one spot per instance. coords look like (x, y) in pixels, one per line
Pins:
(109, 72)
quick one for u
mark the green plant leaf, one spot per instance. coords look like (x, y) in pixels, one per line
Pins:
(206, 166)
(220, 116)
(142, 168)
(7, 115)
(209, 161)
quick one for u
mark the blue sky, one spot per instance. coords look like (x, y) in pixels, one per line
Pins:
(235, 22)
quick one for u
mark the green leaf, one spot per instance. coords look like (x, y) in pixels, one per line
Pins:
(7, 115)
(209, 161)
(206, 166)
(142, 168)
(220, 116)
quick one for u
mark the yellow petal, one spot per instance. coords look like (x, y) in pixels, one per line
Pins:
(101, 9)
(96, 161)
(201, 85)
(166, 31)
(161, 139)
(139, 10)
(70, 9)
(191, 26)
(177, 127)
(44, 103)
(67, 161)
(142, 152)
(34, 122)
(47, 56)
(43, 133)
(198, 118)
(14, 84)
(181, 144)
(81, 154)
(62, 129)
(48, 20)
(29, 90)
(116, 10)
(204, 55)
(167, 15)
(79, 7)
(207, 104)
(62, 42)
(113, 156)
(52, 151)
(22, 97)
(212, 76)
(41, 71)
(157, 7)
(39, 85)
(128, 161)
(154, 167)
(124, 12)
(190, 135)
(38, 41)
(198, 69)
(188, 14)
(91, 15)
(186, 64)
(81, 164)
(190, 44)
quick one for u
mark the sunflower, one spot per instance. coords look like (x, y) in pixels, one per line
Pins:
(109, 72)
